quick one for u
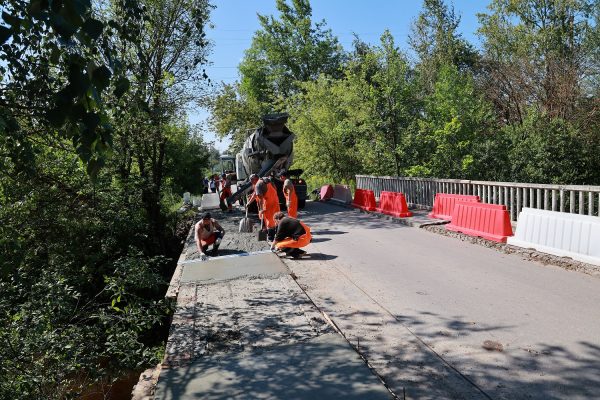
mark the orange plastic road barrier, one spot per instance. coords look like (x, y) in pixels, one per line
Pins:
(444, 204)
(489, 221)
(365, 200)
(393, 203)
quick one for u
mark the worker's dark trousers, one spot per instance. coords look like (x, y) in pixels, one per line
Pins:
(271, 234)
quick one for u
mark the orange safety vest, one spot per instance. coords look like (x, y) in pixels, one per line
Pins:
(292, 199)
(270, 206)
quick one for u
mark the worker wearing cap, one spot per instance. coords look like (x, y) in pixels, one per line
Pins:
(291, 235)
(291, 199)
(208, 231)
(268, 202)
(226, 190)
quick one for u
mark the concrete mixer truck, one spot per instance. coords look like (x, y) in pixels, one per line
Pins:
(268, 151)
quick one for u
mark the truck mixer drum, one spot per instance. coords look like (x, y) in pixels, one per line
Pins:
(269, 150)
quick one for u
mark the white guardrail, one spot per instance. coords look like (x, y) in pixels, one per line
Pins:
(420, 193)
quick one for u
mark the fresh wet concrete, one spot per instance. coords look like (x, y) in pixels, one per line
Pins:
(263, 264)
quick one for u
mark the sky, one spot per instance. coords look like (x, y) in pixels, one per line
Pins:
(235, 22)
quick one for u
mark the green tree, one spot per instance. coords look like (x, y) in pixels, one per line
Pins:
(548, 150)
(57, 64)
(285, 52)
(437, 42)
(289, 50)
(166, 69)
(384, 78)
(324, 116)
(81, 275)
(186, 157)
(233, 114)
(455, 118)
(539, 53)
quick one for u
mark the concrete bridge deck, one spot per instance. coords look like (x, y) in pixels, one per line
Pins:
(435, 317)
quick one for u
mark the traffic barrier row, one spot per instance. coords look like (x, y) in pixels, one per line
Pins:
(444, 203)
(394, 204)
(365, 200)
(559, 233)
(489, 221)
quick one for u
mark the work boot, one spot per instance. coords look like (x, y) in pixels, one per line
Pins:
(296, 253)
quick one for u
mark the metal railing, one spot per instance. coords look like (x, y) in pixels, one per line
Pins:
(420, 193)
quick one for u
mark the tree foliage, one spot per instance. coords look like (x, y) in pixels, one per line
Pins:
(436, 41)
(92, 144)
(540, 54)
(285, 52)
(496, 114)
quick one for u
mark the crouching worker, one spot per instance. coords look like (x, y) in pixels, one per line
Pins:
(206, 232)
(291, 235)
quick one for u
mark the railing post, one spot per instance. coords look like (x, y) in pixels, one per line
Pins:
(572, 201)
(562, 200)
(581, 205)
(512, 204)
(531, 198)
(545, 199)
(591, 203)
(553, 200)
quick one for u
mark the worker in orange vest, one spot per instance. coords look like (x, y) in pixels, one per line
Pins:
(268, 201)
(291, 235)
(291, 199)
(226, 190)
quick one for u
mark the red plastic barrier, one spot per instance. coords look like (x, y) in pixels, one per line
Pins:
(326, 192)
(358, 198)
(392, 203)
(444, 204)
(364, 199)
(401, 206)
(489, 221)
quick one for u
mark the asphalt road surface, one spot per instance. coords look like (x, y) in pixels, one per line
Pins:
(441, 318)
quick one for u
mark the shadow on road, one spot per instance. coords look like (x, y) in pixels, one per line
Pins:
(341, 216)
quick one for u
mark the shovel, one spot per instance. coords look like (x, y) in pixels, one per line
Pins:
(246, 223)
(261, 235)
